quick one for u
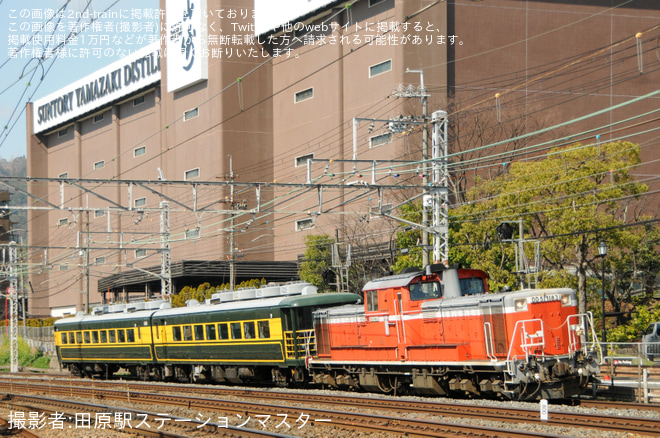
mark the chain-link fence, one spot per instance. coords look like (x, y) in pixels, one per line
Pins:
(39, 338)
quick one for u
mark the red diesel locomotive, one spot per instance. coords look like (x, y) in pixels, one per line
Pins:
(441, 333)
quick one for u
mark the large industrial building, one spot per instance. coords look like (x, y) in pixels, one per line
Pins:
(224, 150)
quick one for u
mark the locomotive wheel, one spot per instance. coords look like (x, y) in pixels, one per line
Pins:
(158, 374)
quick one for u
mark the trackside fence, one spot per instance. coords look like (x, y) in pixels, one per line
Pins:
(39, 338)
(627, 371)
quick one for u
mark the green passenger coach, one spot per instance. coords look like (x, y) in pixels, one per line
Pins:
(250, 335)
(111, 337)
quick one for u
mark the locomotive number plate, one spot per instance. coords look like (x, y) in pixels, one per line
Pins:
(543, 299)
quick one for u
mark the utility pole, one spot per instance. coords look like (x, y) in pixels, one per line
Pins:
(165, 261)
(13, 312)
(87, 262)
(440, 188)
(421, 93)
(232, 260)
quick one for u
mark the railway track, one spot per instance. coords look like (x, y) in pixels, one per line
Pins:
(137, 422)
(216, 399)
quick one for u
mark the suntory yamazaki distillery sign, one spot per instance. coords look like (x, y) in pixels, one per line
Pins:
(119, 79)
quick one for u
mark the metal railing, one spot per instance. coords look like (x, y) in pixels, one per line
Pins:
(305, 344)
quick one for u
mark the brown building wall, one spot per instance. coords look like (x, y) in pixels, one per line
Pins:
(542, 57)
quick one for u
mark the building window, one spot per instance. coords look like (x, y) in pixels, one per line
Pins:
(380, 140)
(63, 221)
(191, 174)
(192, 234)
(375, 2)
(62, 132)
(304, 224)
(377, 69)
(63, 175)
(302, 161)
(98, 118)
(304, 95)
(64, 267)
(190, 114)
(139, 151)
(140, 202)
(138, 101)
(99, 213)
(99, 260)
(99, 165)
(139, 253)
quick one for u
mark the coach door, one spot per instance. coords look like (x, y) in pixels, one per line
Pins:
(159, 336)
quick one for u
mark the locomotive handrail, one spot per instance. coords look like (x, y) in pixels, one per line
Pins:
(524, 345)
(488, 340)
(577, 334)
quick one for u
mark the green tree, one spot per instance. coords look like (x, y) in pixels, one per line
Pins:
(318, 259)
(561, 199)
(409, 239)
(204, 291)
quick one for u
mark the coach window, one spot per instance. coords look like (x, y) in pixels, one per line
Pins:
(187, 333)
(111, 336)
(176, 333)
(130, 335)
(248, 328)
(236, 330)
(78, 337)
(372, 300)
(87, 340)
(121, 336)
(199, 332)
(104, 336)
(223, 331)
(210, 332)
(264, 329)
(72, 338)
(95, 337)
(64, 338)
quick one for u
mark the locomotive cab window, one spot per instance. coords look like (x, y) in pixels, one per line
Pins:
(425, 291)
(248, 329)
(236, 330)
(199, 332)
(104, 336)
(223, 331)
(372, 300)
(64, 338)
(472, 286)
(264, 329)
